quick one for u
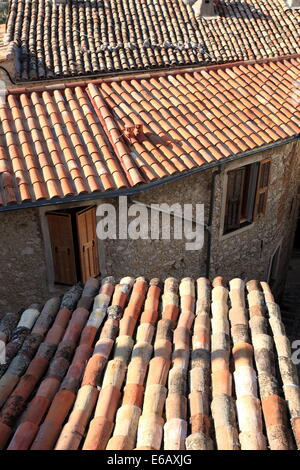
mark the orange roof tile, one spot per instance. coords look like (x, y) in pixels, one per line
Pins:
(150, 365)
(75, 139)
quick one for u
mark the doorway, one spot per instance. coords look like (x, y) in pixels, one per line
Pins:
(74, 244)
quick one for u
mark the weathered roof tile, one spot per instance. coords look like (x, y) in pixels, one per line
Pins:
(80, 38)
(156, 391)
(110, 134)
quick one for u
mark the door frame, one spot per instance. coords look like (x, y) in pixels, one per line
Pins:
(42, 211)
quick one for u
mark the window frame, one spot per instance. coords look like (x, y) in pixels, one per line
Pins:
(81, 240)
(251, 206)
(262, 190)
(42, 214)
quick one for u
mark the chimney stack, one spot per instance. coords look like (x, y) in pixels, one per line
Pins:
(293, 4)
(205, 8)
(59, 2)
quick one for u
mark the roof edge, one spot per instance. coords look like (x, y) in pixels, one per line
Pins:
(143, 74)
(144, 187)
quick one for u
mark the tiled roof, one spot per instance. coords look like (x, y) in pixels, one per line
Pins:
(70, 140)
(139, 365)
(84, 37)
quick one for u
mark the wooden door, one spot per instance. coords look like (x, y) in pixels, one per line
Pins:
(62, 244)
(87, 242)
(262, 187)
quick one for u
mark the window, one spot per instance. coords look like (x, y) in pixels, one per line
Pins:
(73, 244)
(247, 190)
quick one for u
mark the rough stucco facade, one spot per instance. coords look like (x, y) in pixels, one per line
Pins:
(245, 253)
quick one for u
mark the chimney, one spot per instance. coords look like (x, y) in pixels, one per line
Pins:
(131, 132)
(4, 7)
(59, 2)
(204, 8)
(293, 4)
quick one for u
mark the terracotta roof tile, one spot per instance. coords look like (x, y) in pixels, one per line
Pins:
(194, 366)
(81, 38)
(110, 134)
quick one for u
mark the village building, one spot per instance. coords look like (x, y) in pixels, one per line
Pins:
(61, 39)
(87, 144)
(177, 112)
(218, 126)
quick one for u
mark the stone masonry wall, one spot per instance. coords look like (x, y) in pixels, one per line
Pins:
(244, 253)
(247, 253)
(22, 266)
(162, 257)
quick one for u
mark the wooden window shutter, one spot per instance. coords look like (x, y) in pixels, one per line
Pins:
(62, 244)
(88, 247)
(235, 186)
(262, 187)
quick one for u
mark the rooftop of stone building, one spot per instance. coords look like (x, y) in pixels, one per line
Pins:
(93, 138)
(139, 364)
(65, 38)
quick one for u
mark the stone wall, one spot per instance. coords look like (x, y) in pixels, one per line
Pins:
(22, 266)
(244, 253)
(163, 257)
(9, 62)
(247, 253)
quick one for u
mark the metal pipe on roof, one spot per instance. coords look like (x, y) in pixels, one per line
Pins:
(8, 74)
(210, 217)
